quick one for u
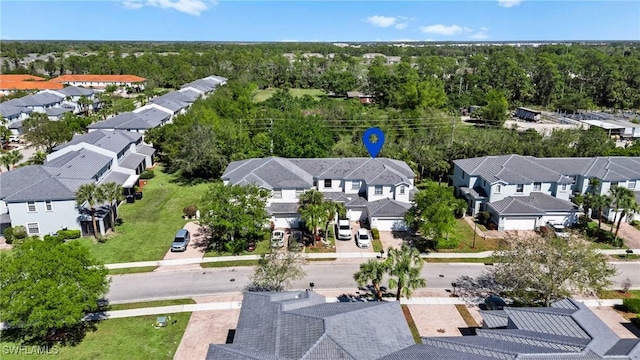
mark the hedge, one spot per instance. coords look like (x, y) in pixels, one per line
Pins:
(375, 233)
(632, 304)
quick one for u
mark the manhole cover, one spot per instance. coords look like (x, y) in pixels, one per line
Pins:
(232, 280)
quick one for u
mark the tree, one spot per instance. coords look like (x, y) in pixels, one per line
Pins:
(47, 287)
(623, 200)
(114, 194)
(433, 212)
(313, 211)
(46, 134)
(92, 195)
(496, 109)
(542, 270)
(11, 158)
(198, 155)
(373, 270)
(235, 214)
(404, 266)
(598, 202)
(276, 270)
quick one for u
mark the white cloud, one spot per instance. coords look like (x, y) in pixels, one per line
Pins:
(443, 29)
(191, 7)
(480, 35)
(401, 26)
(509, 3)
(381, 21)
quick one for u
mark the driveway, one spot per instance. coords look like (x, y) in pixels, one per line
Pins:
(630, 235)
(349, 246)
(437, 320)
(195, 249)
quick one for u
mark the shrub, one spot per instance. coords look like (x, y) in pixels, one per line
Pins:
(190, 210)
(56, 238)
(484, 217)
(492, 226)
(375, 233)
(8, 235)
(11, 234)
(632, 304)
(147, 174)
(69, 234)
(447, 244)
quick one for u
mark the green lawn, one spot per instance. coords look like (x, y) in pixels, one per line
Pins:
(616, 294)
(262, 247)
(140, 305)
(127, 338)
(234, 263)
(134, 270)
(463, 235)
(148, 225)
(488, 260)
(262, 95)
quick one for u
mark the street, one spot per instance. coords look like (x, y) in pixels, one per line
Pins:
(189, 283)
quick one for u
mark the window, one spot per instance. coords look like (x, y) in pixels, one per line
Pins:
(327, 183)
(632, 184)
(563, 187)
(355, 185)
(378, 190)
(614, 184)
(298, 193)
(537, 186)
(519, 188)
(401, 189)
(31, 206)
(48, 205)
(463, 175)
(277, 193)
(33, 228)
(498, 189)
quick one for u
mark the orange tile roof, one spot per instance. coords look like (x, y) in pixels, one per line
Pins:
(99, 78)
(20, 77)
(29, 85)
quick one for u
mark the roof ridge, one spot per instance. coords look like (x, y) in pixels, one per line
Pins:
(453, 341)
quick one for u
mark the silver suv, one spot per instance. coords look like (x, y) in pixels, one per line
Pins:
(181, 240)
(558, 229)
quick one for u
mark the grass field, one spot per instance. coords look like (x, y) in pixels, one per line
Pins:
(463, 235)
(127, 338)
(133, 270)
(262, 95)
(140, 305)
(148, 225)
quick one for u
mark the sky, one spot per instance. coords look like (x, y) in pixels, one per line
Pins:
(330, 20)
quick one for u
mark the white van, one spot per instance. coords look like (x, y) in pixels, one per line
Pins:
(344, 229)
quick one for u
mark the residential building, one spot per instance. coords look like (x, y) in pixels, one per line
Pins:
(205, 85)
(72, 96)
(528, 114)
(304, 325)
(523, 192)
(377, 190)
(42, 197)
(132, 121)
(616, 125)
(10, 83)
(365, 99)
(100, 82)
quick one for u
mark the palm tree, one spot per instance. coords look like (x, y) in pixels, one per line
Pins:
(312, 210)
(373, 271)
(598, 202)
(333, 207)
(113, 193)
(404, 266)
(624, 200)
(5, 161)
(12, 158)
(92, 195)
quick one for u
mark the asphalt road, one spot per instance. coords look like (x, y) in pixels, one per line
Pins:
(188, 283)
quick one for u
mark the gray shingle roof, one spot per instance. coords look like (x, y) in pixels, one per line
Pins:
(57, 111)
(143, 120)
(274, 173)
(517, 169)
(146, 150)
(387, 208)
(535, 204)
(131, 161)
(8, 110)
(112, 140)
(76, 91)
(283, 208)
(81, 164)
(309, 328)
(116, 177)
(40, 99)
(32, 183)
(153, 116)
(170, 104)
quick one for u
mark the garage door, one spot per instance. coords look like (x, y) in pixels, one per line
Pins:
(520, 224)
(356, 215)
(286, 222)
(388, 224)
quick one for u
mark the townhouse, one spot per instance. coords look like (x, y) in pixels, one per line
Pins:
(376, 190)
(42, 197)
(101, 81)
(523, 192)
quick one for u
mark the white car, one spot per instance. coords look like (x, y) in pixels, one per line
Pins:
(277, 238)
(363, 238)
(559, 230)
(344, 229)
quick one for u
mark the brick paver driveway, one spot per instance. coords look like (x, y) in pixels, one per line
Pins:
(349, 246)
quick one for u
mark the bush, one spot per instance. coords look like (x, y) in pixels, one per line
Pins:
(484, 217)
(492, 226)
(11, 234)
(447, 244)
(56, 238)
(147, 174)
(8, 235)
(69, 234)
(190, 210)
(632, 304)
(375, 233)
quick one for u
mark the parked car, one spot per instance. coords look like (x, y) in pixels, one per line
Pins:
(363, 238)
(181, 240)
(344, 229)
(558, 229)
(277, 238)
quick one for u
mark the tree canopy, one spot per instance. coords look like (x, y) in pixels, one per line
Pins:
(47, 287)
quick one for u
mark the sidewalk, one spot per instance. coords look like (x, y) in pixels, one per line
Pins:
(176, 262)
(230, 305)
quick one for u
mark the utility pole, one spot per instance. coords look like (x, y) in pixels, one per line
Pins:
(271, 135)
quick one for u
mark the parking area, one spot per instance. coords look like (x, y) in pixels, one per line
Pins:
(437, 320)
(195, 249)
(349, 246)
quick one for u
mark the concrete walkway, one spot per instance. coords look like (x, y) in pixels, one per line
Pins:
(362, 255)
